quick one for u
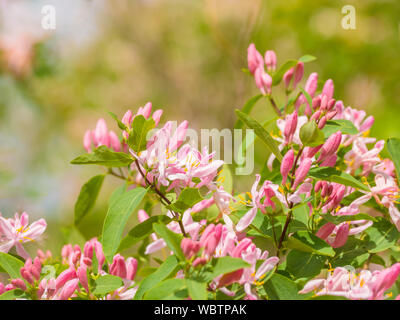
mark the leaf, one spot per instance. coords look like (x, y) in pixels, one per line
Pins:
(225, 265)
(304, 264)
(117, 216)
(121, 125)
(13, 294)
(11, 265)
(339, 219)
(197, 290)
(186, 200)
(261, 133)
(247, 109)
(105, 157)
(344, 126)
(167, 290)
(353, 253)
(307, 58)
(382, 235)
(393, 145)
(308, 242)
(310, 135)
(167, 268)
(87, 197)
(308, 97)
(141, 231)
(281, 288)
(138, 135)
(106, 284)
(334, 175)
(172, 239)
(278, 75)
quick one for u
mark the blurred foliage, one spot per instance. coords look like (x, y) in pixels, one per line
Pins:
(186, 57)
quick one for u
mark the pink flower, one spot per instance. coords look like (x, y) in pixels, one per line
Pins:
(270, 60)
(263, 81)
(101, 137)
(286, 165)
(15, 232)
(301, 172)
(254, 58)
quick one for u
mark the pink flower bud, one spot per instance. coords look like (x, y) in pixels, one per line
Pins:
(328, 89)
(263, 81)
(298, 74)
(101, 133)
(207, 231)
(210, 245)
(19, 283)
(385, 280)
(322, 123)
(25, 273)
(302, 172)
(311, 84)
(189, 247)
(179, 136)
(325, 189)
(286, 165)
(2, 288)
(157, 116)
(316, 102)
(242, 246)
(270, 60)
(131, 268)
(254, 58)
(146, 110)
(341, 235)
(339, 107)
(329, 161)
(324, 103)
(127, 118)
(87, 140)
(331, 114)
(330, 146)
(9, 287)
(331, 104)
(316, 115)
(81, 272)
(66, 251)
(287, 77)
(69, 289)
(290, 126)
(65, 276)
(325, 230)
(318, 186)
(114, 141)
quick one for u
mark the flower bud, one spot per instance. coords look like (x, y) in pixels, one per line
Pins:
(341, 235)
(19, 283)
(286, 165)
(287, 77)
(316, 102)
(82, 276)
(328, 89)
(290, 126)
(254, 58)
(322, 122)
(270, 60)
(298, 74)
(330, 146)
(302, 172)
(324, 232)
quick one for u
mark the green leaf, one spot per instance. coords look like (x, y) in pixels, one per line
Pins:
(105, 157)
(344, 126)
(172, 239)
(186, 200)
(334, 175)
(170, 289)
(87, 197)
(169, 267)
(339, 219)
(226, 178)
(393, 145)
(247, 109)
(278, 75)
(141, 231)
(308, 97)
(225, 265)
(13, 294)
(137, 136)
(382, 235)
(117, 216)
(121, 125)
(197, 290)
(310, 135)
(304, 264)
(308, 242)
(106, 284)
(261, 133)
(307, 58)
(353, 253)
(281, 288)
(11, 265)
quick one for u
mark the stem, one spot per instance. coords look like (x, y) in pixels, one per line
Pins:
(274, 106)
(162, 196)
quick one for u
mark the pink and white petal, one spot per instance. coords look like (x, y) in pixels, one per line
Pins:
(266, 266)
(246, 220)
(155, 246)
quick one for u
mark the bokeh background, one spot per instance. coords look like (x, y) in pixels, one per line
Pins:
(185, 56)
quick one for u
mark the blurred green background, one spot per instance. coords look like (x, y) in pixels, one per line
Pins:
(185, 56)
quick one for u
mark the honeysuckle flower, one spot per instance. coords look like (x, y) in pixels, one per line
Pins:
(310, 88)
(385, 167)
(301, 172)
(360, 156)
(330, 146)
(287, 165)
(367, 284)
(263, 81)
(15, 232)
